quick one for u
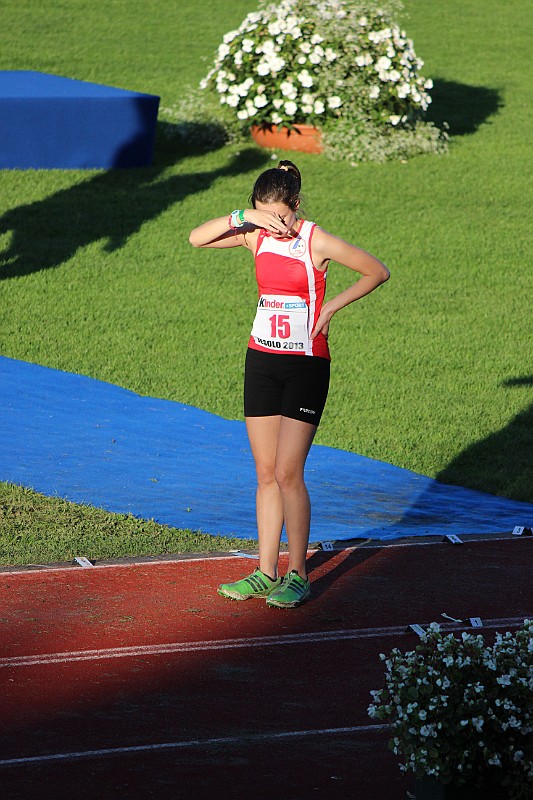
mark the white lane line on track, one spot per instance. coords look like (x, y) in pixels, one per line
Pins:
(234, 644)
(219, 741)
(386, 543)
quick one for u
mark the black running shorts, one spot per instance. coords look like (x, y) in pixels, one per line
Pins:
(290, 385)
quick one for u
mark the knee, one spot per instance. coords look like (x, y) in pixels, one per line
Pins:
(265, 475)
(287, 477)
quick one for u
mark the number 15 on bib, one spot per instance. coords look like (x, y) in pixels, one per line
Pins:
(281, 324)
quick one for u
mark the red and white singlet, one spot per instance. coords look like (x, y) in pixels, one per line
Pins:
(291, 293)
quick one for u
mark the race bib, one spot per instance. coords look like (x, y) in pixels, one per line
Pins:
(281, 323)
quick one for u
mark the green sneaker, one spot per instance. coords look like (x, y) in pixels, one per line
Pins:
(255, 585)
(292, 592)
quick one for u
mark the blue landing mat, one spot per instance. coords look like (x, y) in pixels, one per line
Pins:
(91, 442)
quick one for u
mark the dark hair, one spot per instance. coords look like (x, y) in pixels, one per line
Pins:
(279, 185)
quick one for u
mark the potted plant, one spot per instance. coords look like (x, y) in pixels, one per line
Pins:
(338, 71)
(461, 714)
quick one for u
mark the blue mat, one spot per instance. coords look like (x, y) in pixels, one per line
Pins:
(91, 442)
(52, 122)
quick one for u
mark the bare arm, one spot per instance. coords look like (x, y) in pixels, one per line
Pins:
(373, 273)
(217, 232)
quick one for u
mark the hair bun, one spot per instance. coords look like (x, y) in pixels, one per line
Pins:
(288, 166)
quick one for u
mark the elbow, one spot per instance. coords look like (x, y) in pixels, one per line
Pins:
(384, 274)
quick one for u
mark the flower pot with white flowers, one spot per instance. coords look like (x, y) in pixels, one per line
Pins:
(344, 70)
(461, 714)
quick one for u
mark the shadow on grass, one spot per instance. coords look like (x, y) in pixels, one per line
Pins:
(111, 206)
(464, 108)
(501, 464)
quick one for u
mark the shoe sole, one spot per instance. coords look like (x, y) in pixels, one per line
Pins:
(240, 597)
(295, 604)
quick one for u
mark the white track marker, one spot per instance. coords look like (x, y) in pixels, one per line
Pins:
(215, 742)
(418, 629)
(327, 545)
(240, 554)
(83, 562)
(520, 530)
(476, 622)
(451, 537)
(453, 619)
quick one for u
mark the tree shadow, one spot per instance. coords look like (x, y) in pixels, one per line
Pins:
(501, 464)
(461, 107)
(111, 206)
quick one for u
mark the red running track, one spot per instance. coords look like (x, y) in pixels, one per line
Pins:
(138, 680)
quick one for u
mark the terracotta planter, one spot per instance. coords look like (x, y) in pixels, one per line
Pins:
(305, 138)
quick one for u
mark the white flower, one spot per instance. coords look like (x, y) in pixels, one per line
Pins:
(316, 39)
(504, 680)
(403, 90)
(242, 114)
(334, 101)
(242, 89)
(319, 107)
(263, 68)
(331, 55)
(276, 118)
(232, 100)
(394, 119)
(373, 92)
(288, 90)
(428, 84)
(230, 36)
(302, 60)
(383, 63)
(291, 108)
(223, 51)
(277, 103)
(260, 101)
(305, 79)
(305, 47)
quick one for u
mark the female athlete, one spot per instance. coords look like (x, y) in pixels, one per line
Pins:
(287, 364)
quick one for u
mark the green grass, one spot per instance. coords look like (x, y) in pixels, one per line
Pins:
(79, 530)
(432, 372)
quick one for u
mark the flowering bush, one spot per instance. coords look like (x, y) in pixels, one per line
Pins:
(319, 62)
(457, 707)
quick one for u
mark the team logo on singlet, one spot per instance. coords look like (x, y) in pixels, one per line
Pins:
(297, 247)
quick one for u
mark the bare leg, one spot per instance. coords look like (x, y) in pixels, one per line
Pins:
(293, 444)
(263, 435)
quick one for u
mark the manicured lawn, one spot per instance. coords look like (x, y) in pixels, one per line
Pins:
(431, 373)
